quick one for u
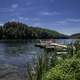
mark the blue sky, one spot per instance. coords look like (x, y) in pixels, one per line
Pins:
(60, 15)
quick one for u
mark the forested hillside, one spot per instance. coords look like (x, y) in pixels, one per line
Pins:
(76, 36)
(16, 30)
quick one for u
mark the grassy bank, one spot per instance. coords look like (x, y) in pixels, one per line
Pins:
(50, 66)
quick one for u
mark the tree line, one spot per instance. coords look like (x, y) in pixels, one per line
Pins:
(17, 30)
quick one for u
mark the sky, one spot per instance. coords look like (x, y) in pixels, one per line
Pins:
(59, 15)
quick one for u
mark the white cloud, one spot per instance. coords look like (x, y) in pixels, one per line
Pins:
(37, 24)
(9, 9)
(73, 20)
(14, 5)
(1, 24)
(13, 19)
(50, 13)
(20, 18)
(23, 18)
(67, 21)
(35, 19)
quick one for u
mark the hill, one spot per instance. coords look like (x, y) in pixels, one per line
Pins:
(75, 36)
(16, 30)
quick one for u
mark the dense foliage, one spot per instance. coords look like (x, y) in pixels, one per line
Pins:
(51, 66)
(16, 30)
(67, 68)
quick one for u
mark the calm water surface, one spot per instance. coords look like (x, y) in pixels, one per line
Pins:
(13, 58)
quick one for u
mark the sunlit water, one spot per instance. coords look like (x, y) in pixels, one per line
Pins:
(14, 55)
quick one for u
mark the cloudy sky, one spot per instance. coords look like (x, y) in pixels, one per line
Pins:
(60, 15)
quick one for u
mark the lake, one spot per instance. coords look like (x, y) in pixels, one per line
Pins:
(14, 55)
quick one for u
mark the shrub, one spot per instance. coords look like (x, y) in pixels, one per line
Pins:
(68, 69)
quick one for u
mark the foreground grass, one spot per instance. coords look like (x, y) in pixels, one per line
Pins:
(68, 69)
(49, 67)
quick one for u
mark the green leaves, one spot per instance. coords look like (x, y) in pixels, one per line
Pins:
(69, 69)
(49, 67)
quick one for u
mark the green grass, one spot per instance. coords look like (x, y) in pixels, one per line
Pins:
(47, 66)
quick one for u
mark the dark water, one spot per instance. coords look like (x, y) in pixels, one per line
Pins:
(15, 54)
(13, 58)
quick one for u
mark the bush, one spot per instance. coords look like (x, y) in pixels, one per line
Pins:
(68, 69)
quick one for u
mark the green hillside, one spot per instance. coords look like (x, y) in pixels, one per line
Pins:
(16, 30)
(75, 36)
